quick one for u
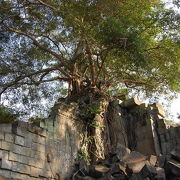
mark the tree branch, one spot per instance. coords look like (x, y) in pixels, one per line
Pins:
(35, 42)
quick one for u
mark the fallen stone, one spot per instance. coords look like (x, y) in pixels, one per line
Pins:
(135, 167)
(153, 160)
(175, 153)
(148, 171)
(161, 161)
(173, 167)
(78, 177)
(136, 176)
(134, 157)
(160, 174)
(130, 103)
(107, 176)
(118, 168)
(98, 171)
(122, 152)
(120, 177)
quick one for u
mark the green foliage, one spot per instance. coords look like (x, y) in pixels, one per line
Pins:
(7, 115)
(88, 110)
(35, 119)
(102, 44)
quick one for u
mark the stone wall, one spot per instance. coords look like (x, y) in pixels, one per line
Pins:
(31, 152)
(50, 150)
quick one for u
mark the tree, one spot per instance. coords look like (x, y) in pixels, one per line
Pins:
(90, 44)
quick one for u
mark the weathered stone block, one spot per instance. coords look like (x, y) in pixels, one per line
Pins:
(1, 135)
(3, 154)
(161, 161)
(20, 176)
(46, 172)
(136, 167)
(153, 160)
(28, 140)
(135, 157)
(18, 158)
(38, 147)
(148, 171)
(122, 152)
(6, 128)
(5, 173)
(6, 145)
(20, 128)
(130, 103)
(19, 140)
(9, 137)
(39, 139)
(6, 164)
(35, 172)
(18, 167)
(36, 163)
(21, 150)
(160, 174)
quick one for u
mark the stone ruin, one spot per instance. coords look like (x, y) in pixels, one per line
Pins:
(132, 141)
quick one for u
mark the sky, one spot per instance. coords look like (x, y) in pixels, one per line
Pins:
(175, 106)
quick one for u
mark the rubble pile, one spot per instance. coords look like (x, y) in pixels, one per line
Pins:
(124, 164)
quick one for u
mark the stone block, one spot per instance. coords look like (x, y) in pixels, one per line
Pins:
(20, 176)
(153, 160)
(148, 171)
(18, 158)
(19, 130)
(130, 103)
(36, 163)
(122, 152)
(136, 167)
(160, 174)
(39, 139)
(28, 140)
(135, 157)
(1, 135)
(21, 150)
(161, 161)
(9, 137)
(19, 140)
(40, 155)
(6, 145)
(3, 154)
(35, 172)
(34, 178)
(5, 164)
(6, 128)
(38, 147)
(21, 168)
(5, 173)
(46, 172)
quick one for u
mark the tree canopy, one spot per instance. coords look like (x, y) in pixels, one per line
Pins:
(90, 44)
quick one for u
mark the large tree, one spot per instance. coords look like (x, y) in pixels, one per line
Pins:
(90, 44)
